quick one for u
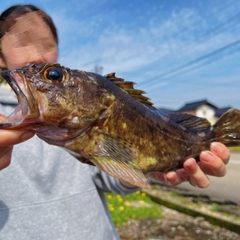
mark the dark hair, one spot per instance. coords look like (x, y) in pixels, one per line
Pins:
(19, 10)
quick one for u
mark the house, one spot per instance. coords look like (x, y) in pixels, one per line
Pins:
(204, 109)
(219, 112)
(165, 110)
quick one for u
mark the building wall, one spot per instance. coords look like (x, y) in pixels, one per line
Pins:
(193, 112)
(207, 112)
(204, 111)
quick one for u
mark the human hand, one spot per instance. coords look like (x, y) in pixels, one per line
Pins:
(211, 163)
(8, 138)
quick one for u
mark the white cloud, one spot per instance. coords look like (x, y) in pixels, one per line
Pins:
(140, 41)
(144, 48)
(128, 49)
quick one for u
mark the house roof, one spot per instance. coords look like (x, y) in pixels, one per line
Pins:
(219, 112)
(194, 105)
(165, 110)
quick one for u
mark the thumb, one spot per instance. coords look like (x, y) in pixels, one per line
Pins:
(12, 137)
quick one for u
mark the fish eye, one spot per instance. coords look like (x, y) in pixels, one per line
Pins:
(54, 74)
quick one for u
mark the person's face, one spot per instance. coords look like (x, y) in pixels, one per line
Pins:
(28, 41)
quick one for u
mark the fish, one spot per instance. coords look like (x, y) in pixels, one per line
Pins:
(104, 121)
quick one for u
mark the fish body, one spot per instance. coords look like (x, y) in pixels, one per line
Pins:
(104, 121)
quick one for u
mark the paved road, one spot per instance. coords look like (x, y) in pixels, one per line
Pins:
(228, 187)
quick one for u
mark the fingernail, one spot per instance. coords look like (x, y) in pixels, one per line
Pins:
(25, 136)
(192, 183)
(206, 156)
(166, 180)
(216, 147)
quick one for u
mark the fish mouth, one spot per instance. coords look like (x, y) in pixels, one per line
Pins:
(27, 108)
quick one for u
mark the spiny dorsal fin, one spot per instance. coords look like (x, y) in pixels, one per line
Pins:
(190, 122)
(128, 87)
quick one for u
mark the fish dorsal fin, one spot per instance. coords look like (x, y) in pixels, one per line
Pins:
(128, 87)
(190, 122)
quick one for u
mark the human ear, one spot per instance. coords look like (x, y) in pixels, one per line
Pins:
(2, 62)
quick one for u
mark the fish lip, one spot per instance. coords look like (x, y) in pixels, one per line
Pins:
(27, 103)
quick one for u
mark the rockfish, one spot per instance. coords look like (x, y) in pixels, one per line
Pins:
(104, 121)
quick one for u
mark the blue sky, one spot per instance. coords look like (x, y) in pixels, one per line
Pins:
(177, 51)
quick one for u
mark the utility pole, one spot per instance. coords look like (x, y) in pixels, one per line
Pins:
(98, 69)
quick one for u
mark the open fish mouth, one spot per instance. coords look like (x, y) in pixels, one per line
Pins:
(27, 108)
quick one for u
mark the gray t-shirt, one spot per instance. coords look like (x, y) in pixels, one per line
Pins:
(47, 194)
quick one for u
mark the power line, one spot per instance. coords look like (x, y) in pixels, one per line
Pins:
(201, 39)
(184, 67)
(224, 26)
(234, 51)
(234, 20)
(230, 23)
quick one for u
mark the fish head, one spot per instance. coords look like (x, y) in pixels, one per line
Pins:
(54, 101)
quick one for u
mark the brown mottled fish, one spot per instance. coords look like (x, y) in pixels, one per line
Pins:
(104, 121)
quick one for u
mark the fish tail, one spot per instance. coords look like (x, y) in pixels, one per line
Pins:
(227, 129)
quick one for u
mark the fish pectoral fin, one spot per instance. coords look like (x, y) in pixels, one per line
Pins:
(118, 158)
(121, 171)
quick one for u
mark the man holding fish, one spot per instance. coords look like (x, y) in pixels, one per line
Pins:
(46, 193)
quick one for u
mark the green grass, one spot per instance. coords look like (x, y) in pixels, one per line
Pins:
(133, 206)
(214, 207)
(174, 194)
(234, 149)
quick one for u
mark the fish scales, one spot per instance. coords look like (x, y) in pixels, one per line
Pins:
(104, 121)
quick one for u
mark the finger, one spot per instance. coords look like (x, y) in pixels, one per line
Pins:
(221, 151)
(176, 178)
(211, 164)
(8, 137)
(169, 178)
(196, 176)
(5, 159)
(157, 176)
